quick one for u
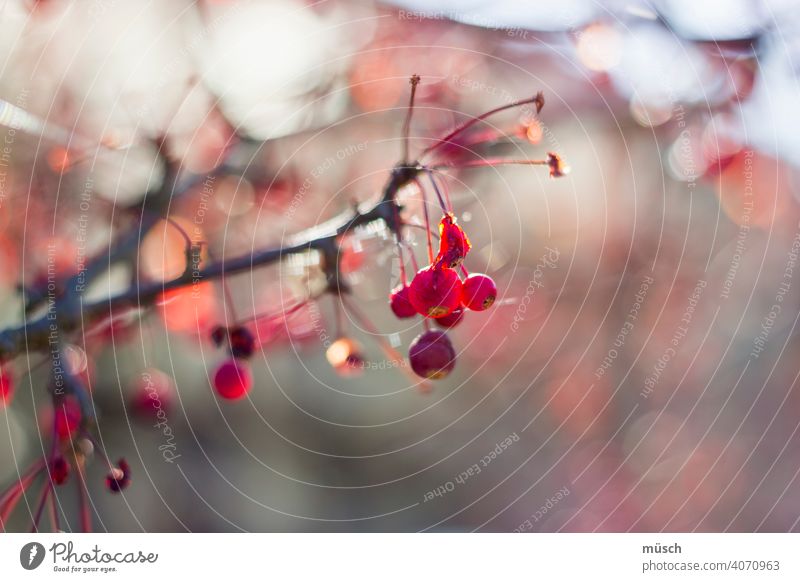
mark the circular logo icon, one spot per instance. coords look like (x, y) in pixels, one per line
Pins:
(31, 555)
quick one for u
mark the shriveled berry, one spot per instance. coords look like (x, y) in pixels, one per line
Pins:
(345, 356)
(558, 168)
(218, 335)
(432, 355)
(59, 470)
(452, 319)
(119, 477)
(400, 302)
(435, 292)
(453, 243)
(233, 379)
(6, 387)
(242, 342)
(479, 292)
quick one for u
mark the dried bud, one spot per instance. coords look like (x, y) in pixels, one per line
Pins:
(243, 344)
(345, 356)
(119, 478)
(557, 166)
(539, 101)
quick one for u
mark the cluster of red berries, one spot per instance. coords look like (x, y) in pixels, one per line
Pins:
(437, 292)
(117, 479)
(233, 378)
(68, 417)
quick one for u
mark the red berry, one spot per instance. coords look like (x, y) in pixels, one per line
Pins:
(435, 292)
(400, 302)
(59, 470)
(432, 355)
(479, 292)
(68, 417)
(242, 342)
(233, 379)
(453, 243)
(6, 388)
(119, 477)
(452, 319)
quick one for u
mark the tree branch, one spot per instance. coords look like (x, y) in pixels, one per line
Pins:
(69, 311)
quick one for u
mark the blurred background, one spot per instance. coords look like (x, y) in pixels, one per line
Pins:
(640, 370)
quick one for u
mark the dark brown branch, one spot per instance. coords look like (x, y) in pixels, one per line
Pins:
(70, 312)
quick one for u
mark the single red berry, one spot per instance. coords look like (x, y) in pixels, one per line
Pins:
(452, 319)
(233, 379)
(68, 417)
(432, 355)
(435, 292)
(119, 478)
(6, 388)
(242, 342)
(400, 302)
(453, 243)
(59, 470)
(479, 292)
(345, 356)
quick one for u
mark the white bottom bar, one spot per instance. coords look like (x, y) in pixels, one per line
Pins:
(353, 557)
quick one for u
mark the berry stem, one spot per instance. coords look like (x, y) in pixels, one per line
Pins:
(488, 162)
(427, 219)
(338, 309)
(99, 450)
(445, 207)
(83, 499)
(12, 495)
(182, 231)
(227, 296)
(414, 81)
(413, 256)
(385, 346)
(226, 291)
(538, 99)
(47, 488)
(53, 511)
(488, 136)
(23, 481)
(445, 189)
(283, 314)
(397, 239)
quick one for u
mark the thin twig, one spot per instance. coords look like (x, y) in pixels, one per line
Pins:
(538, 99)
(407, 123)
(72, 311)
(488, 163)
(46, 490)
